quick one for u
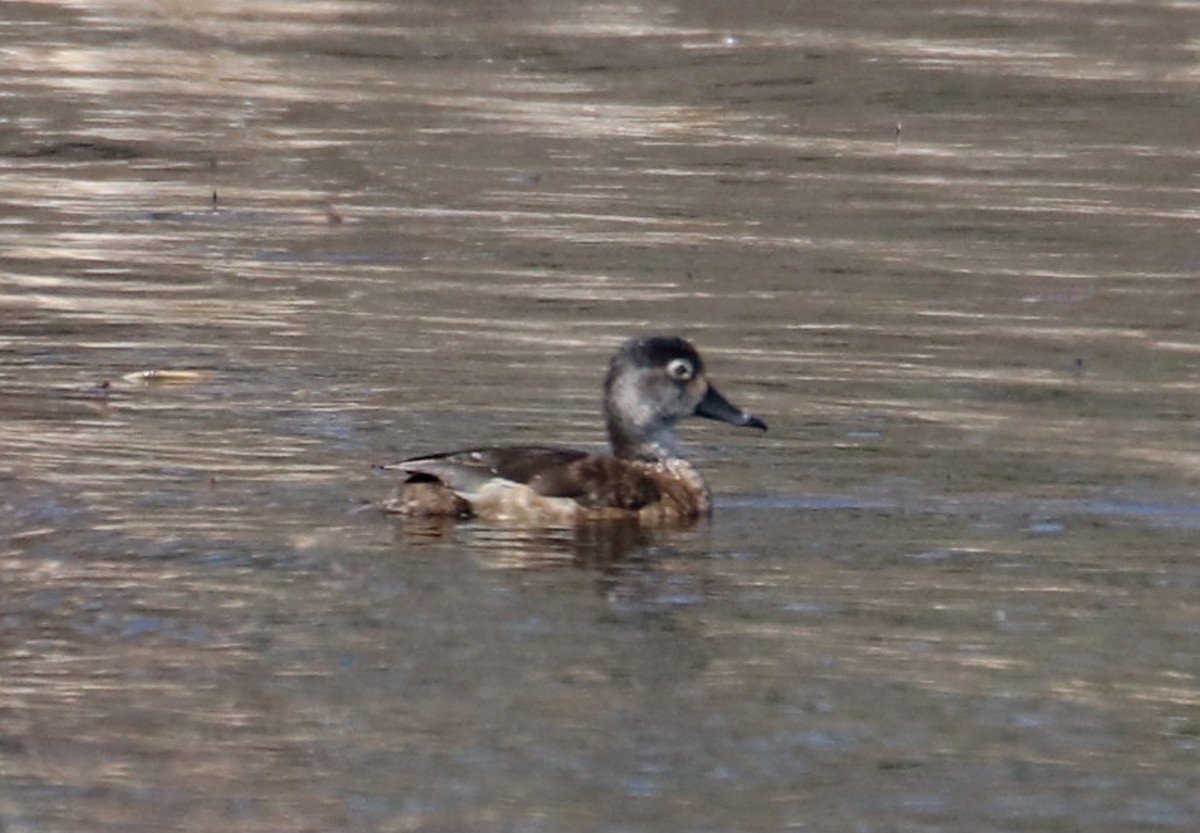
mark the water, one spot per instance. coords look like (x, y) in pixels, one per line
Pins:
(946, 251)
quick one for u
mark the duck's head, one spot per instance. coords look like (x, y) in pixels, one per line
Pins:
(653, 382)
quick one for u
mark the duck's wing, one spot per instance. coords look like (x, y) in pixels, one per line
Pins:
(592, 480)
(469, 470)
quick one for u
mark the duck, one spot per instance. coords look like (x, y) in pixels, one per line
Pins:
(652, 383)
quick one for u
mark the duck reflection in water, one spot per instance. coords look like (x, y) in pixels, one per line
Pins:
(613, 547)
(652, 383)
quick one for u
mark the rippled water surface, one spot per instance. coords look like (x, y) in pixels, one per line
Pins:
(947, 250)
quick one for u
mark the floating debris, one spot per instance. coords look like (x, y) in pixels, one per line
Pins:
(162, 376)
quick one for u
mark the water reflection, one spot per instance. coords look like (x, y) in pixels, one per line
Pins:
(596, 545)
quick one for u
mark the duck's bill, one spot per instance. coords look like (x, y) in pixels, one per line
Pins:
(716, 406)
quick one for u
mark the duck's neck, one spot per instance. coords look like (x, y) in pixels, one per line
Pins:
(633, 444)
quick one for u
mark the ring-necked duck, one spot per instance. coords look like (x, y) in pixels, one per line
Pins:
(652, 383)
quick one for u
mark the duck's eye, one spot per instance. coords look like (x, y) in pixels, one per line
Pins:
(680, 369)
